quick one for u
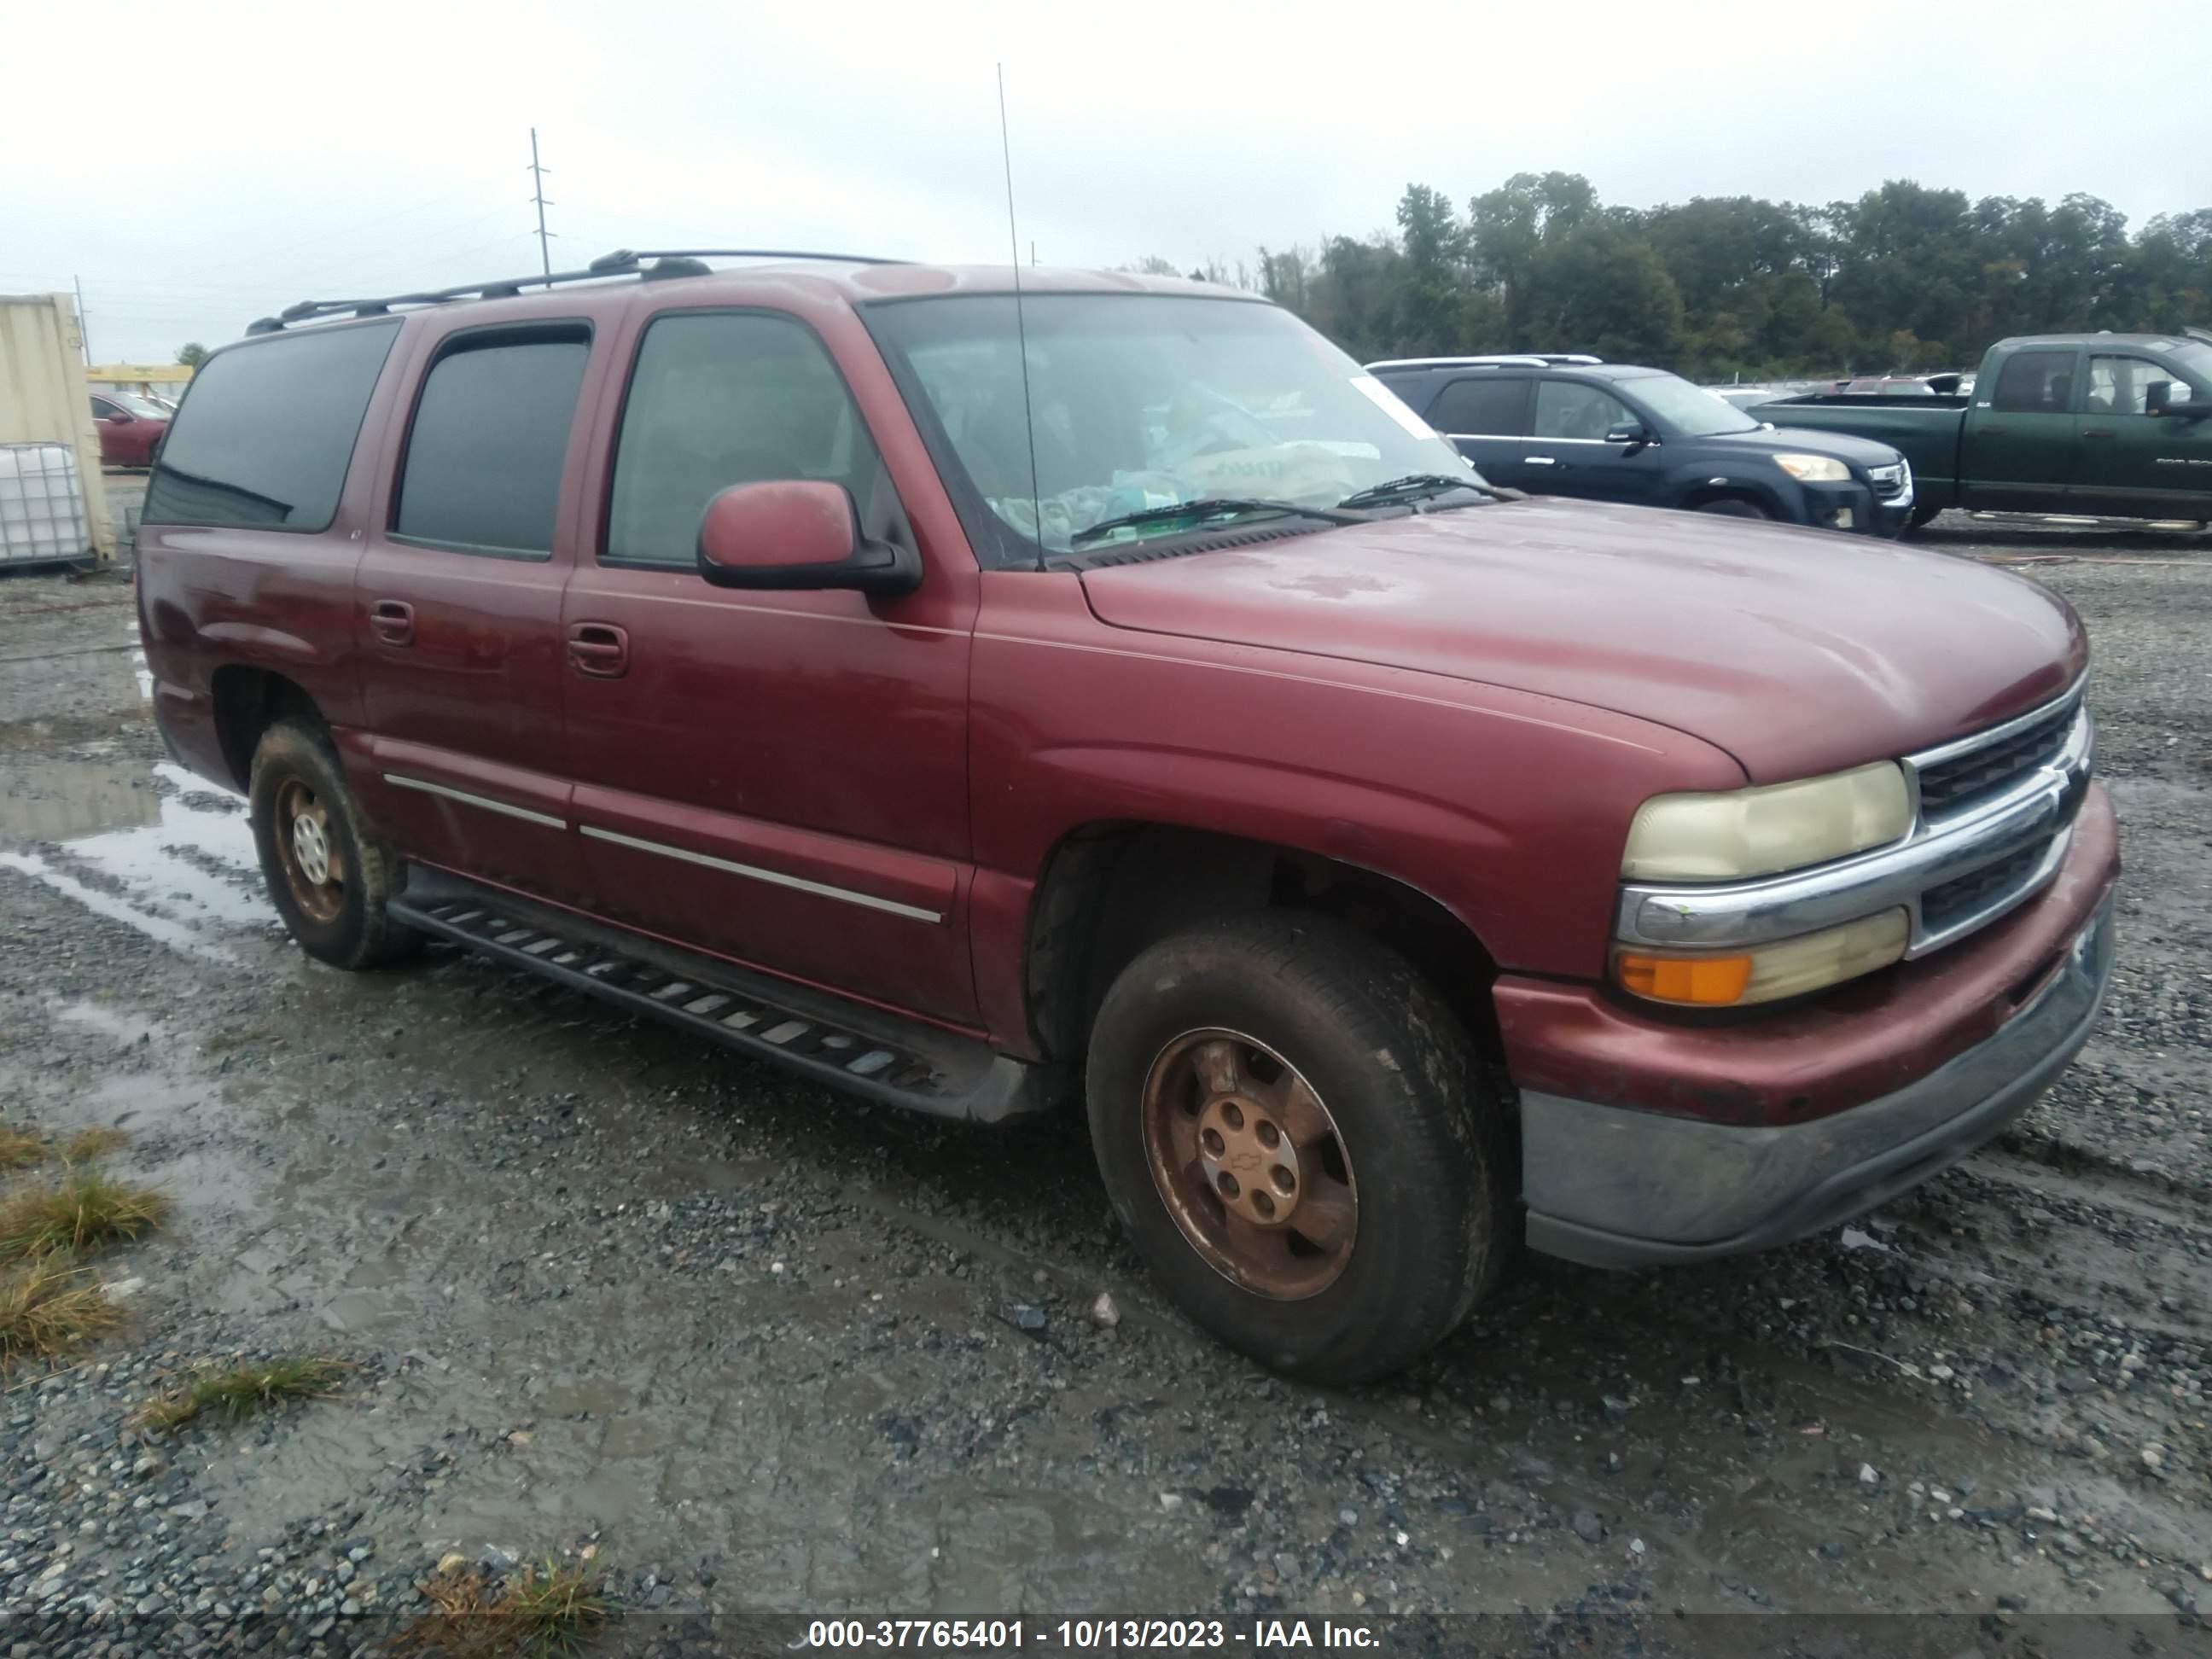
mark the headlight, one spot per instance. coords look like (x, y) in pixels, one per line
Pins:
(1766, 973)
(1756, 832)
(1813, 469)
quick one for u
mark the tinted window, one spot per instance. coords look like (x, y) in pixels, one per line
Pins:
(265, 438)
(1479, 407)
(490, 432)
(104, 410)
(1566, 409)
(2036, 382)
(723, 398)
(2121, 386)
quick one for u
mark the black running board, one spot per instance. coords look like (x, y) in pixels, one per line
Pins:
(861, 1050)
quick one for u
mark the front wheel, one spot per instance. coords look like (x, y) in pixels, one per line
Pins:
(1731, 507)
(1302, 1143)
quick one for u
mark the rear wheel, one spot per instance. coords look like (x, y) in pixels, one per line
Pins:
(329, 876)
(1302, 1142)
(1733, 507)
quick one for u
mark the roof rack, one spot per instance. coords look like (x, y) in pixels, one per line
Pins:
(1496, 360)
(623, 262)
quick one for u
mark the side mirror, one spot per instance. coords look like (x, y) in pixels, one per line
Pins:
(2176, 399)
(797, 534)
(1628, 432)
(121, 417)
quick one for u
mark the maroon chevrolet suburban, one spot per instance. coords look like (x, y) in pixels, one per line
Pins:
(974, 699)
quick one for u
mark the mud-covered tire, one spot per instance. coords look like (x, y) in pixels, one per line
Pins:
(1733, 507)
(344, 918)
(1422, 1118)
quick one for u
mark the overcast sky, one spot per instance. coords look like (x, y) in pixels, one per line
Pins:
(200, 164)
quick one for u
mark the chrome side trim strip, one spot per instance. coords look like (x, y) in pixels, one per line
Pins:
(774, 877)
(401, 781)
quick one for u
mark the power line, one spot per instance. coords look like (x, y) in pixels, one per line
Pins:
(538, 173)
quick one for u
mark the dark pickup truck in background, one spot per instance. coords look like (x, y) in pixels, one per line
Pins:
(2113, 425)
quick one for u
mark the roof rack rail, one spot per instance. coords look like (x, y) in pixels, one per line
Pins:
(623, 262)
(621, 257)
(1495, 360)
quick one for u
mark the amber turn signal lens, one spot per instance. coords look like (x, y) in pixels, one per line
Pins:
(1766, 973)
(1713, 981)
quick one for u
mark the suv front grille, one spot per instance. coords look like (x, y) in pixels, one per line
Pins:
(1948, 787)
(1944, 907)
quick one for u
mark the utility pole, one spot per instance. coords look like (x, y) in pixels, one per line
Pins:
(83, 333)
(544, 257)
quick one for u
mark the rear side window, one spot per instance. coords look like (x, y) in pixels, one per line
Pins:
(263, 438)
(482, 470)
(2036, 383)
(1477, 408)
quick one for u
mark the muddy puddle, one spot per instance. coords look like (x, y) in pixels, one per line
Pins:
(157, 849)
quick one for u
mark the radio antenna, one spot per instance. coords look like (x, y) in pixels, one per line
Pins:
(1021, 326)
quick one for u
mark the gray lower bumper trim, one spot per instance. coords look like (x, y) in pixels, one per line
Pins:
(1619, 1189)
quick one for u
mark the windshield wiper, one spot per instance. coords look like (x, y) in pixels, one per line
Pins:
(1211, 506)
(1419, 486)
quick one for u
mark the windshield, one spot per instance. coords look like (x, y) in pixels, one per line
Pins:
(1692, 410)
(1141, 401)
(2195, 358)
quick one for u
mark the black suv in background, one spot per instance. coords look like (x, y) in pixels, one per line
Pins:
(1556, 424)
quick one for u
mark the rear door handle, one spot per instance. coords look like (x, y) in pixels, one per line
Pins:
(392, 621)
(1539, 460)
(600, 649)
(2096, 432)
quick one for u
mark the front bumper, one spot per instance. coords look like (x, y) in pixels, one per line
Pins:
(1854, 506)
(1617, 1188)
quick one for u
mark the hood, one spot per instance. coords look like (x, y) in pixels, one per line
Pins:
(1838, 446)
(1797, 650)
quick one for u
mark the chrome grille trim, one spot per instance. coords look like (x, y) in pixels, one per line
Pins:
(2035, 810)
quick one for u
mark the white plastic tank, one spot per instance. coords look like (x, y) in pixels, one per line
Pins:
(41, 505)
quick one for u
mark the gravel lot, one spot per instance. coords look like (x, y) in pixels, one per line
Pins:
(615, 1297)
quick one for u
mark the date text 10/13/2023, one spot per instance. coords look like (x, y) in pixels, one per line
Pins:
(1085, 1635)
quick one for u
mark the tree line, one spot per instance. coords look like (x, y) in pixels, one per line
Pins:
(1906, 279)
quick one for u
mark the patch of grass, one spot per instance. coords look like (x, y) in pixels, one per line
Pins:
(237, 1394)
(537, 1613)
(87, 1145)
(48, 1306)
(83, 1209)
(19, 1150)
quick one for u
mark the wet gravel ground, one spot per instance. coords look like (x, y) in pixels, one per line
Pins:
(617, 1298)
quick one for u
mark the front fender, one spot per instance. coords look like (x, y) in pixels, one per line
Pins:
(1691, 480)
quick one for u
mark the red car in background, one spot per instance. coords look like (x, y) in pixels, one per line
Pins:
(129, 426)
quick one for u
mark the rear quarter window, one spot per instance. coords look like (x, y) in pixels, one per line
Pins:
(267, 431)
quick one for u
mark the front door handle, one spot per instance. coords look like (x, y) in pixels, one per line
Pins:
(392, 621)
(1539, 460)
(600, 649)
(2096, 432)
